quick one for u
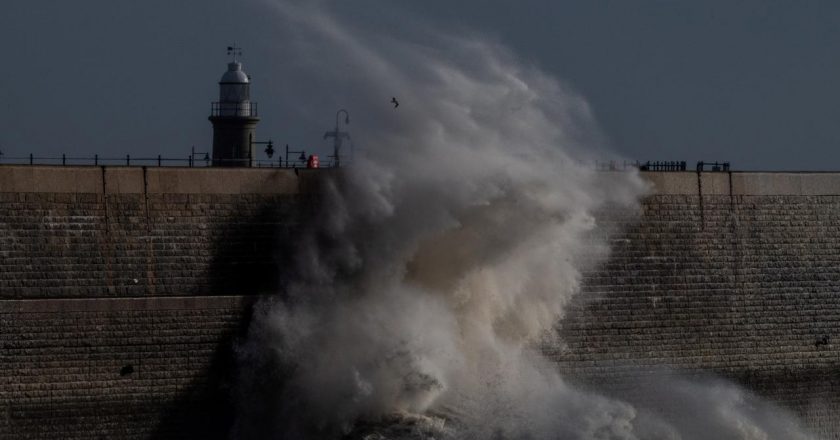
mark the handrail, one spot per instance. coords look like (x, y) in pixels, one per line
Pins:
(233, 109)
(714, 166)
(158, 161)
(280, 162)
(663, 165)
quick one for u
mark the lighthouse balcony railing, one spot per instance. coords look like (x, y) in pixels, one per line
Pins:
(234, 109)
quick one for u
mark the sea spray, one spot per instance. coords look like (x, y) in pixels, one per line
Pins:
(413, 300)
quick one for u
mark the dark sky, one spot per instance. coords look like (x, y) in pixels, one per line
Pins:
(752, 82)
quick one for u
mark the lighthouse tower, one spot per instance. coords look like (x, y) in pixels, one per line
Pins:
(234, 117)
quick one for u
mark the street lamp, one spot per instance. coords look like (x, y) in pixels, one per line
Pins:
(338, 135)
(301, 158)
(269, 147)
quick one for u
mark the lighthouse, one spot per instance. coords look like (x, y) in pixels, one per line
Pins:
(234, 117)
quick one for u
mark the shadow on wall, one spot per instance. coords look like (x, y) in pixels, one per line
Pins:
(250, 252)
(204, 409)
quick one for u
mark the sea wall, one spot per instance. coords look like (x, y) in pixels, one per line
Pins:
(82, 232)
(731, 274)
(123, 292)
(118, 368)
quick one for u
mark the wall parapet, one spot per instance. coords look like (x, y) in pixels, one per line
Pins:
(174, 180)
(139, 180)
(746, 183)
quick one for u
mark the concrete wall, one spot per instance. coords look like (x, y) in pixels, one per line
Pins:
(734, 274)
(116, 232)
(124, 290)
(118, 368)
(727, 273)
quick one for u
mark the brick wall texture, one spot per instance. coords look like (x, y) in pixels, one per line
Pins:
(743, 287)
(118, 245)
(122, 294)
(118, 368)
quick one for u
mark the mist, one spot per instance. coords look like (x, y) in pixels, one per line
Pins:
(416, 297)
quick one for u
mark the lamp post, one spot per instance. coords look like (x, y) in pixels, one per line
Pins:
(301, 158)
(269, 147)
(338, 135)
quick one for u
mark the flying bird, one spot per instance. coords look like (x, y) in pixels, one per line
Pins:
(394, 101)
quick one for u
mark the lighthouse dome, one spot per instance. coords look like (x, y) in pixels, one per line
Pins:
(235, 85)
(234, 74)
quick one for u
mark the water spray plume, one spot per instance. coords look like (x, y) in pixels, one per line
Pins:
(416, 298)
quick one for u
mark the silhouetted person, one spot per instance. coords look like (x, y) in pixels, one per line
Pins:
(394, 101)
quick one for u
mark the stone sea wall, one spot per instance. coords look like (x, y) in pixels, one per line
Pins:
(731, 274)
(118, 368)
(124, 290)
(91, 232)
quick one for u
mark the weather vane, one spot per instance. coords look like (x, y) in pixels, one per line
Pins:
(235, 51)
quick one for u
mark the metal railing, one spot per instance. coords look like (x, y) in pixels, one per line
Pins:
(660, 165)
(289, 161)
(158, 161)
(236, 109)
(682, 166)
(613, 165)
(713, 166)
(663, 165)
